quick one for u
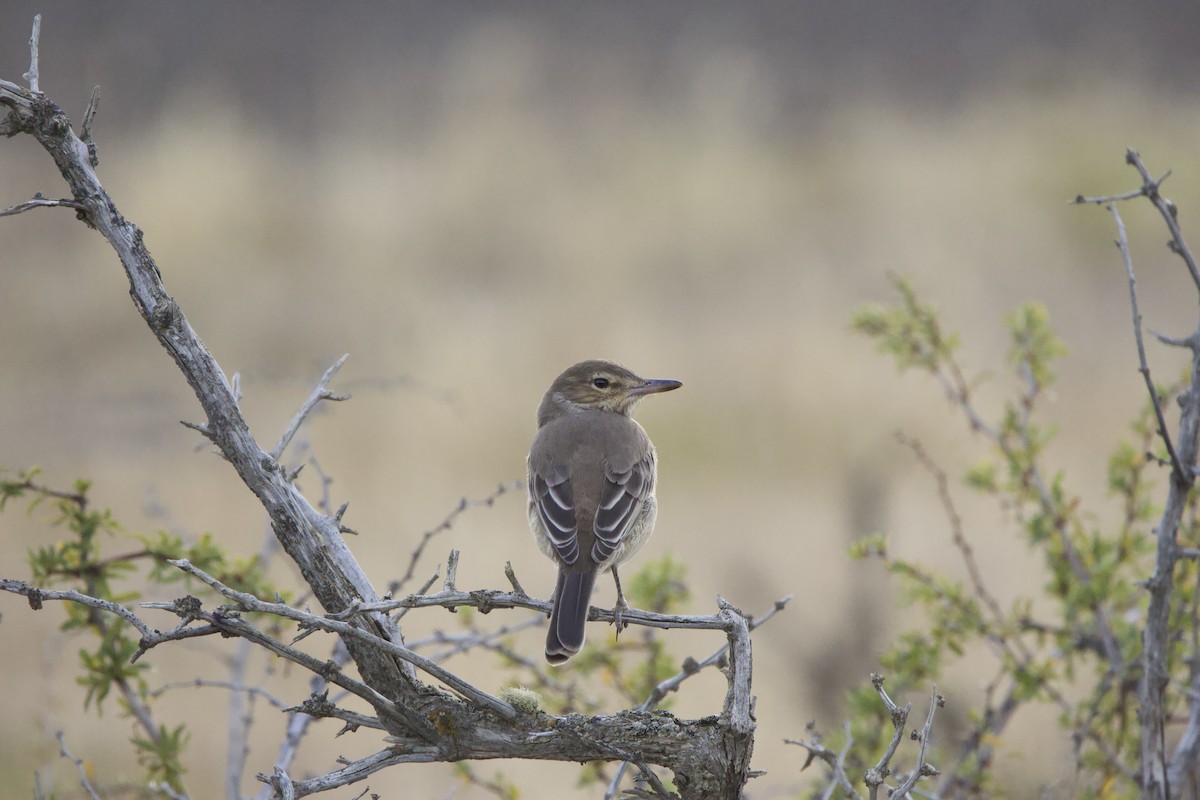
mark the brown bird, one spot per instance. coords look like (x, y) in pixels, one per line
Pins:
(591, 471)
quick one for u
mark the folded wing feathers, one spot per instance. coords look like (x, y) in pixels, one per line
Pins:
(556, 506)
(623, 494)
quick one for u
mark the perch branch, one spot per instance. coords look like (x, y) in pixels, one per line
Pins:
(708, 761)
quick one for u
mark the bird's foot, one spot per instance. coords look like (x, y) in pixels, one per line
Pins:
(618, 615)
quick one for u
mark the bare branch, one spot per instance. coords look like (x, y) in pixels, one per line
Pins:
(836, 761)
(465, 642)
(451, 571)
(32, 74)
(310, 538)
(1105, 200)
(446, 524)
(36, 596)
(321, 392)
(877, 774)
(78, 762)
(1143, 366)
(318, 706)
(249, 602)
(655, 783)
(201, 683)
(690, 668)
(956, 526)
(89, 116)
(282, 784)
(38, 202)
(229, 623)
(923, 769)
(1156, 636)
(355, 771)
(707, 760)
(512, 578)
(1168, 212)
(85, 133)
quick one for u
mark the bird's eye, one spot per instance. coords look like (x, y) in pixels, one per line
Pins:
(600, 383)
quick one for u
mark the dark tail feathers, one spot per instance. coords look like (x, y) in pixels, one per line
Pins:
(572, 596)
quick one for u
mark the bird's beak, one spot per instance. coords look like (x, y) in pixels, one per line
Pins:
(654, 386)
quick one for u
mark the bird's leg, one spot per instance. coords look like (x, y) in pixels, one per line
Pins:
(621, 607)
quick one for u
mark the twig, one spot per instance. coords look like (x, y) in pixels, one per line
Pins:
(85, 132)
(652, 779)
(839, 766)
(1168, 212)
(231, 624)
(877, 774)
(1104, 200)
(325, 503)
(836, 761)
(319, 706)
(462, 643)
(512, 578)
(445, 525)
(299, 719)
(451, 571)
(690, 668)
(425, 587)
(249, 602)
(240, 714)
(950, 375)
(1143, 366)
(201, 683)
(89, 116)
(36, 596)
(321, 392)
(355, 771)
(239, 717)
(39, 202)
(282, 784)
(956, 526)
(78, 762)
(487, 600)
(923, 769)
(32, 74)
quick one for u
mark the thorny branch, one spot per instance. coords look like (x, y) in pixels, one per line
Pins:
(690, 667)
(707, 760)
(876, 775)
(445, 525)
(1163, 776)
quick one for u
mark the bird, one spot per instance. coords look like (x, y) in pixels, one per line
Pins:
(591, 476)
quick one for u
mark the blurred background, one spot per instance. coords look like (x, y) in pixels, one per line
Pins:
(469, 197)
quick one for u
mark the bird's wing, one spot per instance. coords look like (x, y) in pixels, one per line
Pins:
(556, 506)
(620, 500)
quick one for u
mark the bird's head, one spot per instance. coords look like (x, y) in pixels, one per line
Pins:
(599, 385)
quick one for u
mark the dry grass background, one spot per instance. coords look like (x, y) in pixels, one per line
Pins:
(468, 199)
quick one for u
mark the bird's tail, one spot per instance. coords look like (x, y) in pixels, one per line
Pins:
(572, 596)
